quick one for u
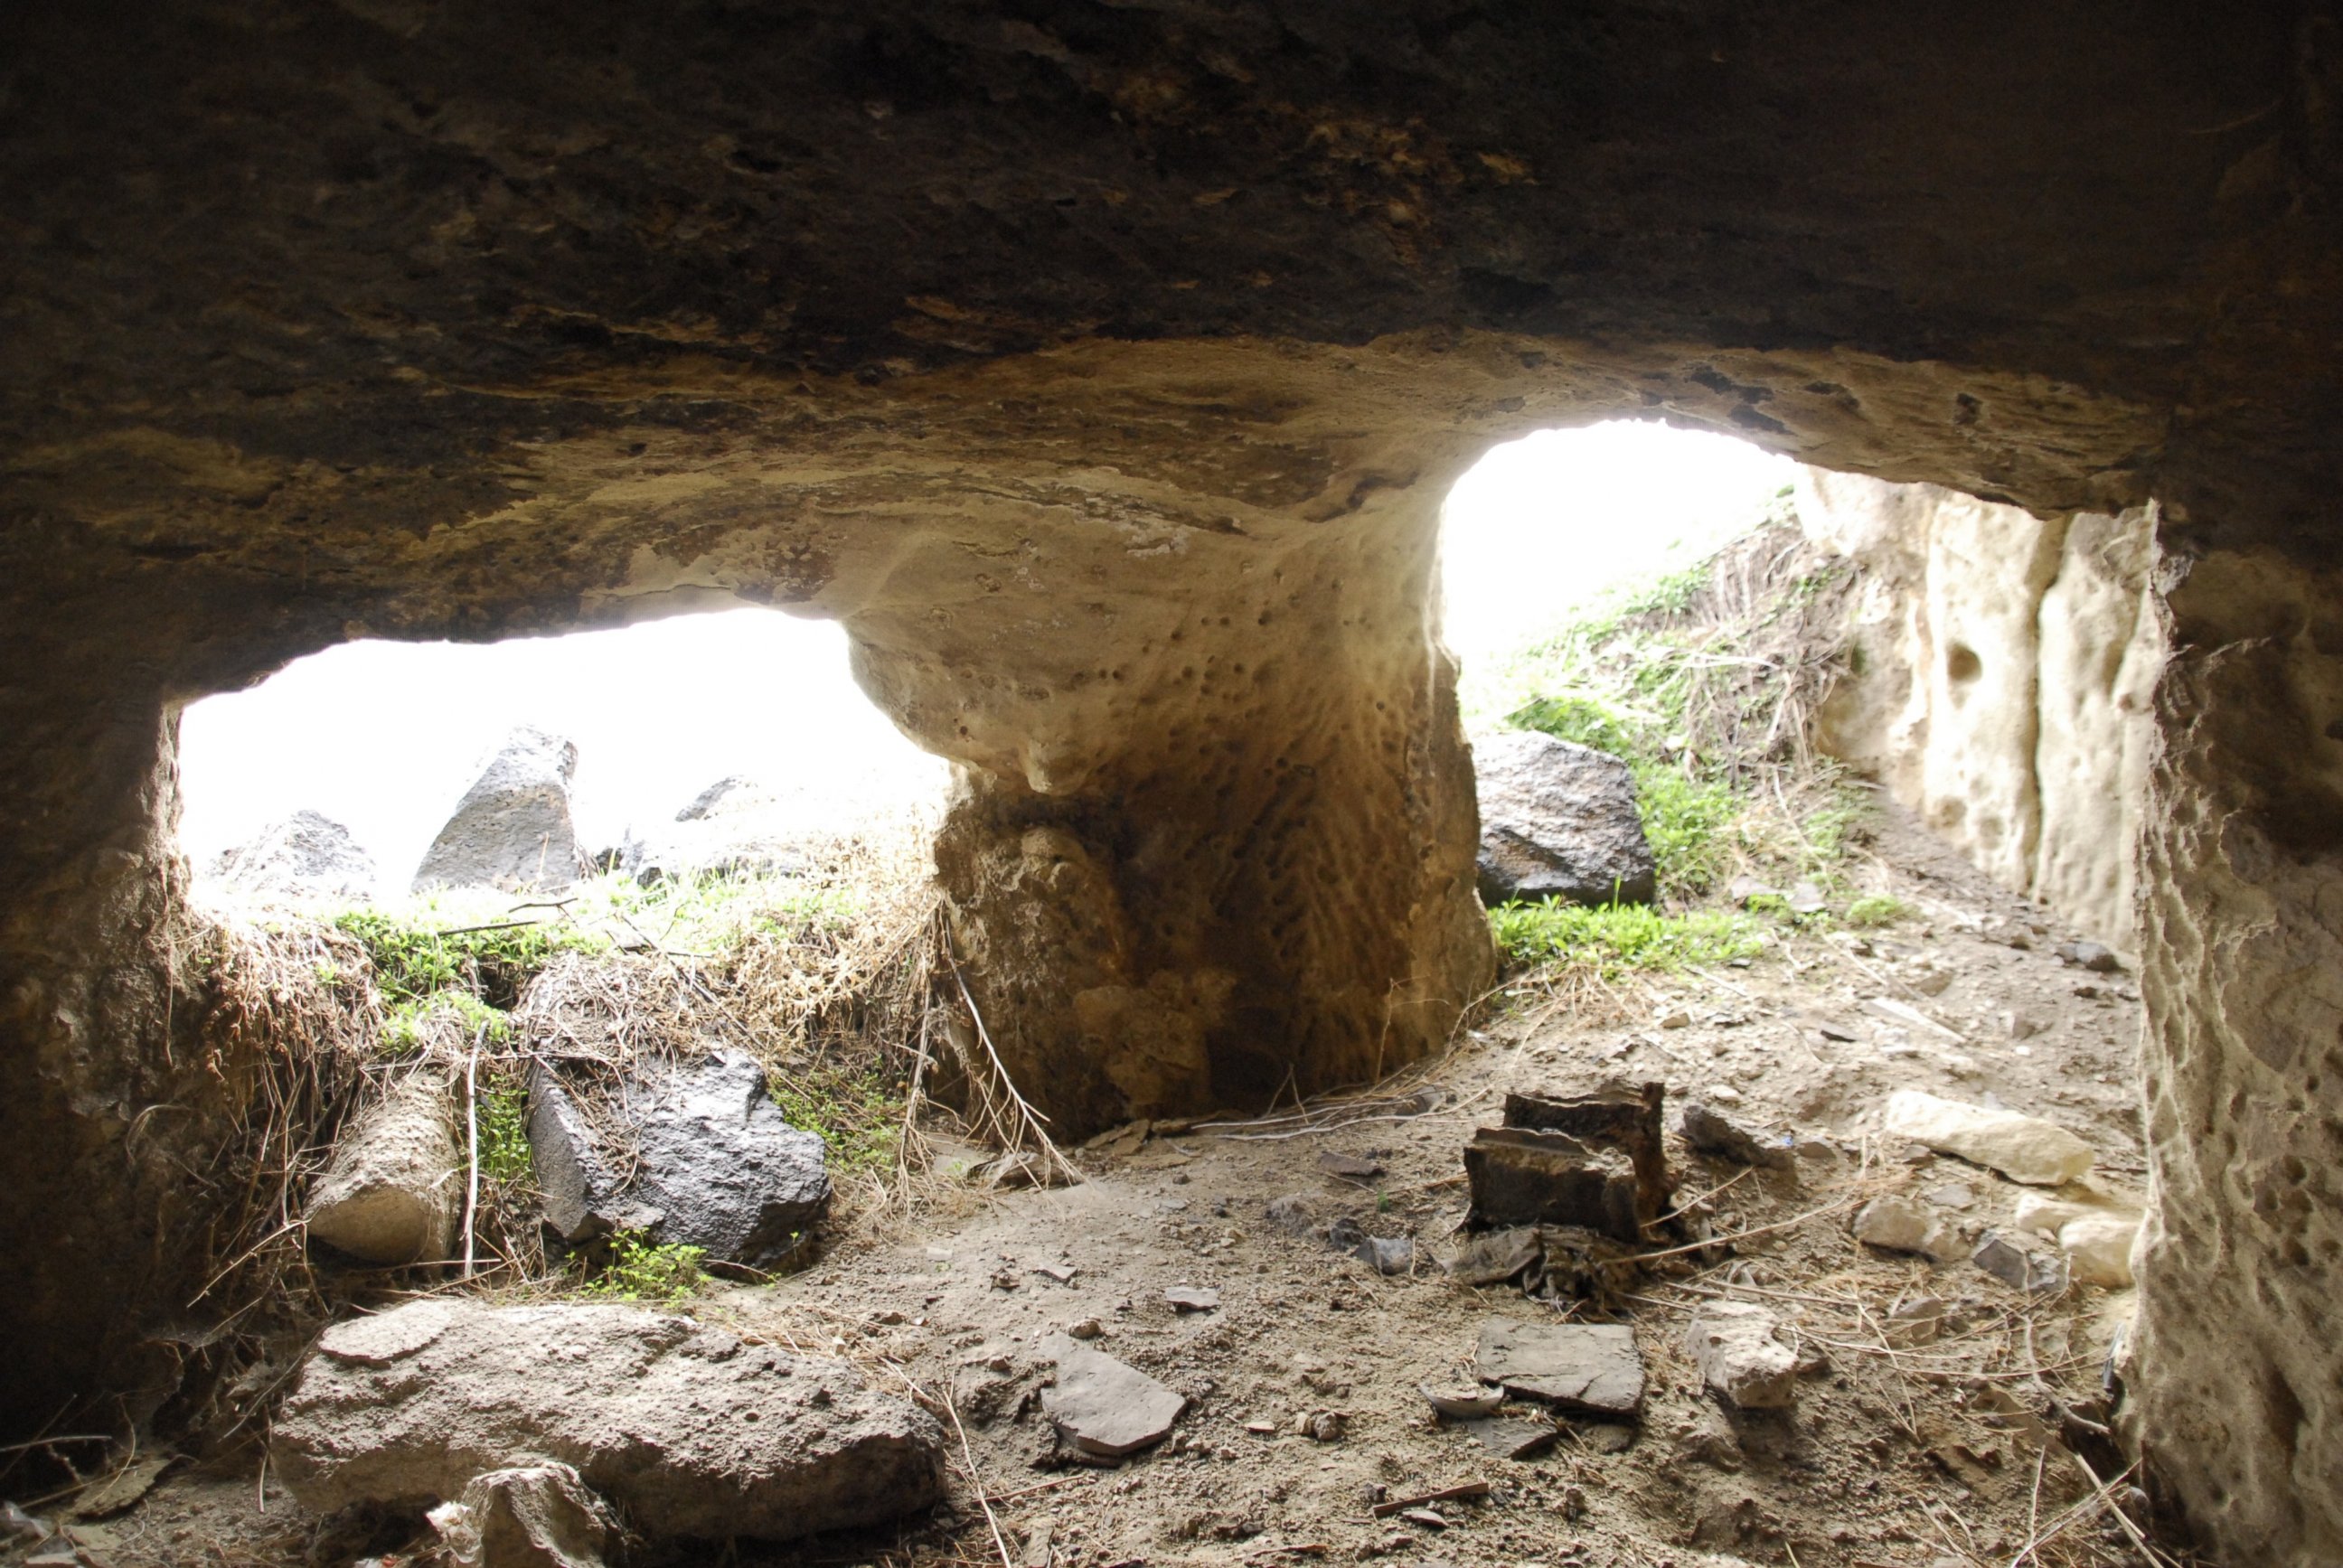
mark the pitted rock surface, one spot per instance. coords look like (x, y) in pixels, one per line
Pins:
(305, 855)
(1558, 820)
(691, 1431)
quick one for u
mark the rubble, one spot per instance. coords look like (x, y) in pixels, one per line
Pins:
(1461, 1403)
(1900, 1225)
(681, 1426)
(1734, 1345)
(2098, 1248)
(2023, 1147)
(1578, 1366)
(532, 1516)
(1712, 1132)
(1103, 1407)
(2021, 1264)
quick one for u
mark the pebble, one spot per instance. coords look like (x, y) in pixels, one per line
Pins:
(1734, 1345)
(2023, 1147)
(2020, 1266)
(1900, 1225)
(1193, 1298)
(2098, 1248)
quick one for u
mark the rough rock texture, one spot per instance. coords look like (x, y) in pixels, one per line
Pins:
(512, 829)
(1101, 370)
(306, 855)
(1558, 820)
(2023, 1147)
(687, 1428)
(1102, 1406)
(710, 1162)
(394, 1189)
(2007, 664)
(735, 827)
(1733, 1344)
(529, 1516)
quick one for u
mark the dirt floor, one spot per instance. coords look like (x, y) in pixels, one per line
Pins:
(1895, 1456)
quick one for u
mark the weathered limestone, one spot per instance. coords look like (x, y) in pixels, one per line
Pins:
(2003, 684)
(686, 1428)
(305, 855)
(1740, 1358)
(2023, 1147)
(394, 1190)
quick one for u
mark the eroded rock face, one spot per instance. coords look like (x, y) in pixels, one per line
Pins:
(687, 1429)
(1559, 822)
(306, 855)
(511, 830)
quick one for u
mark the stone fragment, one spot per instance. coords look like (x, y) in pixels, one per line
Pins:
(1676, 1018)
(1953, 1195)
(1462, 1402)
(2096, 957)
(713, 1164)
(1102, 1406)
(1495, 1257)
(1193, 1298)
(1805, 899)
(392, 1190)
(1386, 1254)
(2020, 1263)
(512, 830)
(2023, 1147)
(2040, 1215)
(1350, 1167)
(306, 855)
(1900, 1225)
(735, 828)
(1558, 820)
(683, 1426)
(2098, 1248)
(1734, 1345)
(530, 1516)
(1579, 1366)
(1513, 1437)
(1712, 1132)
(1291, 1214)
(1918, 1321)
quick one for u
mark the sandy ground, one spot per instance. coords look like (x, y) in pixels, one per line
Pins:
(1893, 1455)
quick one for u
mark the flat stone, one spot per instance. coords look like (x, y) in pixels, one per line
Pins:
(1193, 1298)
(1580, 1366)
(687, 1430)
(1513, 1437)
(1495, 1257)
(1900, 1225)
(2023, 1147)
(1350, 1167)
(2020, 1264)
(2098, 1248)
(1712, 1132)
(1559, 820)
(1102, 1406)
(1734, 1345)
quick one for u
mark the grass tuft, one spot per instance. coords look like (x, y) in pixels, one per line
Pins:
(1613, 939)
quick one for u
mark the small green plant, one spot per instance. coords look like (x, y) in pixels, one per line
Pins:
(412, 960)
(409, 1025)
(503, 1113)
(1614, 939)
(1878, 910)
(856, 1114)
(639, 1270)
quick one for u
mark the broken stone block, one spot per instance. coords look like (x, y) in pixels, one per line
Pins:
(2098, 1248)
(1900, 1225)
(1916, 1322)
(2020, 1263)
(393, 1192)
(1513, 1437)
(1712, 1132)
(1594, 1162)
(512, 830)
(1103, 1407)
(714, 1163)
(1739, 1357)
(533, 1517)
(685, 1428)
(2023, 1147)
(1559, 820)
(1495, 1257)
(1579, 1366)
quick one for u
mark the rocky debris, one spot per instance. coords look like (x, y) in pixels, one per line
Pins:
(734, 828)
(712, 1164)
(2023, 1147)
(393, 1191)
(1740, 1359)
(2044, 1215)
(1385, 1254)
(1350, 1167)
(2096, 957)
(1900, 1225)
(1559, 820)
(2098, 1248)
(1494, 1256)
(1712, 1132)
(532, 1516)
(1103, 1407)
(688, 1431)
(1578, 1366)
(1916, 1321)
(2021, 1264)
(1594, 1162)
(1460, 1403)
(512, 829)
(306, 855)
(1193, 1298)
(1512, 1436)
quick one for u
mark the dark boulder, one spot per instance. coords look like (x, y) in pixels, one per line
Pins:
(1559, 820)
(512, 829)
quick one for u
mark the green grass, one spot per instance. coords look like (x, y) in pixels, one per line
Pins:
(409, 1025)
(504, 1133)
(1614, 938)
(417, 954)
(1878, 910)
(640, 1271)
(856, 1114)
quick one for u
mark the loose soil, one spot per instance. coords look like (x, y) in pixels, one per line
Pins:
(1910, 1456)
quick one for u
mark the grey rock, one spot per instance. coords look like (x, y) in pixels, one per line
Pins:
(1291, 1214)
(512, 830)
(530, 1516)
(1900, 1225)
(1102, 1406)
(734, 828)
(2096, 957)
(1558, 820)
(306, 855)
(1580, 1366)
(1734, 1345)
(1497, 1256)
(1193, 1298)
(1712, 1132)
(688, 1431)
(1511, 1437)
(392, 1193)
(2021, 1264)
(714, 1162)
